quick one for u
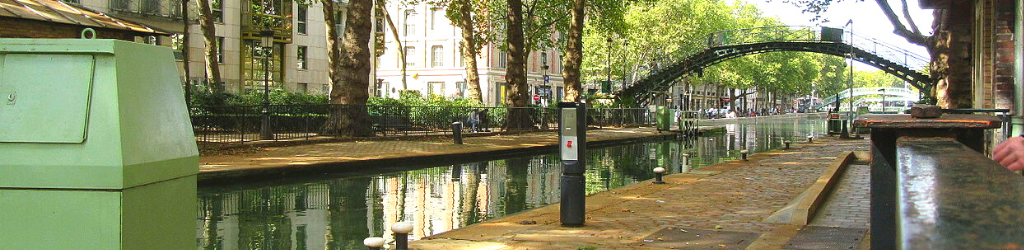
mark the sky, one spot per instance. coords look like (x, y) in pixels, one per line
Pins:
(868, 20)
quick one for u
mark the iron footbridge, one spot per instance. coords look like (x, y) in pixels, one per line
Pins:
(728, 44)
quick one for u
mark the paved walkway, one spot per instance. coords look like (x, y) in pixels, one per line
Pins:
(721, 208)
(350, 154)
(849, 205)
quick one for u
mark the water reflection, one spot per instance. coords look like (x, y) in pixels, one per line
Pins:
(338, 213)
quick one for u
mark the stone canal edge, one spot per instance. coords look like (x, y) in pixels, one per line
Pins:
(728, 198)
(384, 155)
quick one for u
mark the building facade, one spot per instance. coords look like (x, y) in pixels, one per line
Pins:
(435, 66)
(298, 62)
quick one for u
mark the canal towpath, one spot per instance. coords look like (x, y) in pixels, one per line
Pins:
(349, 155)
(722, 206)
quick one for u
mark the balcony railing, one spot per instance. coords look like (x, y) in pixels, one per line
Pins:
(157, 8)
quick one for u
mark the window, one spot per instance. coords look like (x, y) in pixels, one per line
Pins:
(436, 88)
(409, 52)
(339, 23)
(301, 88)
(462, 61)
(543, 60)
(461, 89)
(300, 57)
(436, 16)
(502, 59)
(70, 1)
(381, 88)
(410, 24)
(218, 11)
(300, 22)
(438, 56)
(325, 89)
(220, 49)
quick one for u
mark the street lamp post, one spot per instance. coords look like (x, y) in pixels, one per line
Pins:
(267, 42)
(850, 81)
(608, 65)
(883, 100)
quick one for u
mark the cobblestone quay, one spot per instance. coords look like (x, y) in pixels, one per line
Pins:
(732, 197)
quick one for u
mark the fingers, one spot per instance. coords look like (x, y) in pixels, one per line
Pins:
(1016, 166)
(1008, 160)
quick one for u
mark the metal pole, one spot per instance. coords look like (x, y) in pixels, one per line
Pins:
(851, 71)
(1018, 75)
(265, 133)
(608, 65)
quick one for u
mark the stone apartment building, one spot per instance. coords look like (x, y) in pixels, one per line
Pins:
(434, 64)
(299, 59)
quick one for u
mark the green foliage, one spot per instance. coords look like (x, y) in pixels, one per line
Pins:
(252, 98)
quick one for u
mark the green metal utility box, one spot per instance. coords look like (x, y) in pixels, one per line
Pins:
(96, 145)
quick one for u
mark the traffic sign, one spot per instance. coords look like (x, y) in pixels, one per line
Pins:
(536, 97)
(547, 79)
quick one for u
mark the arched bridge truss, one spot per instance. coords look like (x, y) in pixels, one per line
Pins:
(724, 45)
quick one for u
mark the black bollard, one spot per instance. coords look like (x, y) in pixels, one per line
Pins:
(845, 134)
(743, 153)
(401, 230)
(658, 173)
(810, 139)
(457, 132)
(787, 144)
(373, 243)
(572, 128)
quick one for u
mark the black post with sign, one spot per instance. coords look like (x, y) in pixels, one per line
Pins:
(572, 133)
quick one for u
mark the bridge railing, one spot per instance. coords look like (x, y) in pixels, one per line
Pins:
(889, 52)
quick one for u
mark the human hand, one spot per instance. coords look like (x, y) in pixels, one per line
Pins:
(1010, 153)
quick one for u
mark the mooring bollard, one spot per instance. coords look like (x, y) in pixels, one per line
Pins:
(787, 144)
(457, 132)
(374, 243)
(658, 173)
(401, 230)
(810, 139)
(744, 153)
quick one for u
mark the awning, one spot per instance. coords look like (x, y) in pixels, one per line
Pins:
(60, 12)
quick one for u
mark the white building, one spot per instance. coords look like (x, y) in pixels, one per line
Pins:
(435, 65)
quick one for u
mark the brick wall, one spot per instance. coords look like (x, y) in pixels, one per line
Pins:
(1004, 53)
(22, 28)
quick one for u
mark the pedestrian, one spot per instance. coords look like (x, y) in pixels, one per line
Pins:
(473, 120)
(485, 120)
(1010, 153)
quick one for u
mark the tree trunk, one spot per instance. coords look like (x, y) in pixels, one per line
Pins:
(184, 52)
(518, 116)
(951, 61)
(209, 30)
(470, 48)
(350, 70)
(574, 53)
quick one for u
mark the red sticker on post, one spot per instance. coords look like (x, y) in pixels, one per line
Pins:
(569, 144)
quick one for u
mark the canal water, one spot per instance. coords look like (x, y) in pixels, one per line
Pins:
(338, 211)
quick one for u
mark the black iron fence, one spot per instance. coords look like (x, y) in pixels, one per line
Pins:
(300, 122)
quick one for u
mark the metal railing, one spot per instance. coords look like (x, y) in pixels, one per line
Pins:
(160, 8)
(303, 122)
(932, 188)
(951, 197)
